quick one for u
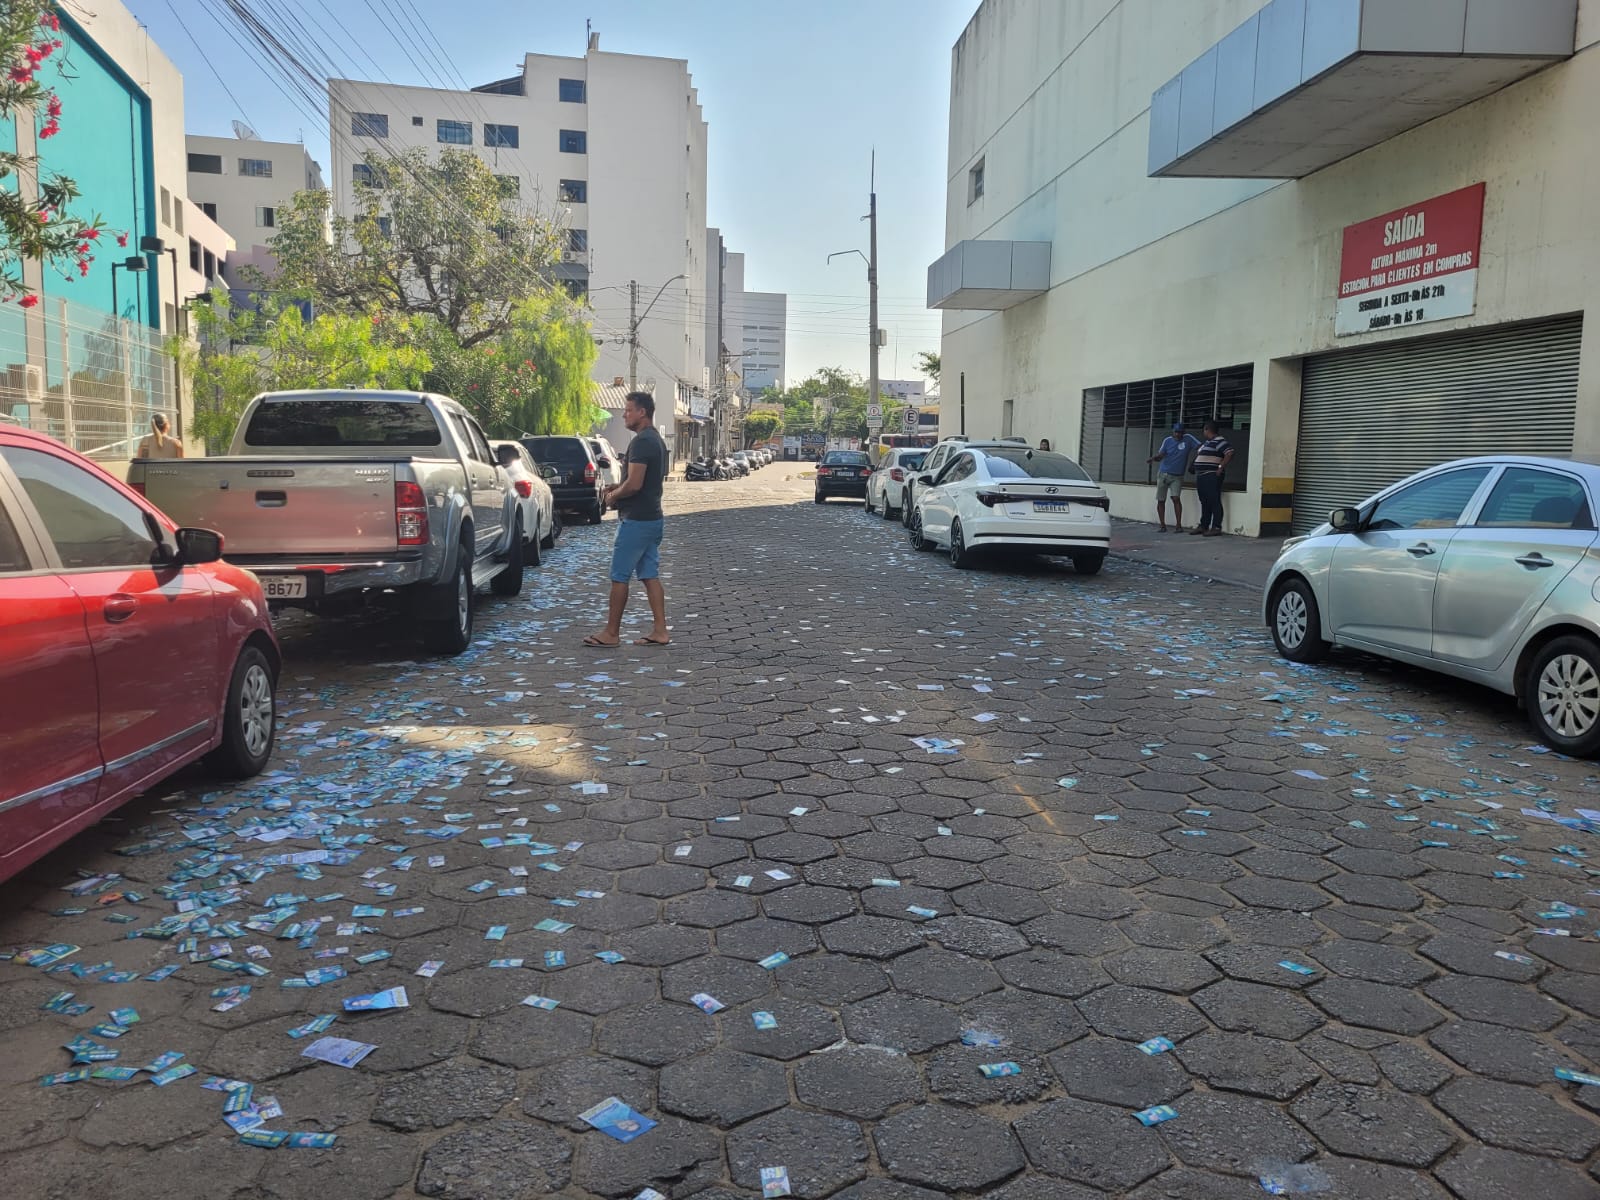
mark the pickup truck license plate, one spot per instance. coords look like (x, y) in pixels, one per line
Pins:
(284, 587)
(1051, 506)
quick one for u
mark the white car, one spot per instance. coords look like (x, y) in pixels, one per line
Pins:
(541, 521)
(607, 459)
(1002, 495)
(890, 484)
(938, 458)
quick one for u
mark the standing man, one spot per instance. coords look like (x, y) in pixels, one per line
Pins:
(1174, 459)
(1210, 467)
(637, 500)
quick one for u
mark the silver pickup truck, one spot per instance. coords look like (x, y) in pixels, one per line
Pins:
(335, 497)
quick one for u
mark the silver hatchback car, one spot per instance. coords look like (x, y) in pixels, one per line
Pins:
(1485, 568)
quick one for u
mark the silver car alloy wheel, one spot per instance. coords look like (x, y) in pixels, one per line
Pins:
(1569, 695)
(255, 709)
(1293, 620)
(463, 598)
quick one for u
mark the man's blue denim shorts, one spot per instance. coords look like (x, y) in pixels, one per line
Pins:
(637, 551)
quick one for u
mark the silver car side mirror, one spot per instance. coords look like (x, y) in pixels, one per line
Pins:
(1345, 520)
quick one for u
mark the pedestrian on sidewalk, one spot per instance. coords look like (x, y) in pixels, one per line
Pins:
(1174, 459)
(640, 524)
(1210, 468)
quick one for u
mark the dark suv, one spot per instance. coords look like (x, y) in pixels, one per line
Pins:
(579, 482)
(843, 473)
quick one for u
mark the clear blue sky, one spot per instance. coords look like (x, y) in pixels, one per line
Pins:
(796, 94)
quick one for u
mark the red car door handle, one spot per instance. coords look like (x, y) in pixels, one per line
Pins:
(120, 607)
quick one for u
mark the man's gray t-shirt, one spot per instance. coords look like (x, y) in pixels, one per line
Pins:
(646, 449)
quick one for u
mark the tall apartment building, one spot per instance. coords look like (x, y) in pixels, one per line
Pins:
(241, 183)
(614, 146)
(755, 324)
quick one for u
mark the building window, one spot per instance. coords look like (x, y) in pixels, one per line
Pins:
(573, 91)
(1125, 424)
(205, 164)
(210, 210)
(255, 168)
(575, 191)
(211, 265)
(578, 289)
(373, 125)
(975, 182)
(507, 136)
(166, 207)
(266, 218)
(574, 141)
(577, 241)
(385, 226)
(362, 174)
(455, 133)
(510, 186)
(194, 256)
(417, 121)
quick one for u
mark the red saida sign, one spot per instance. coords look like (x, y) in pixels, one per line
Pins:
(1414, 265)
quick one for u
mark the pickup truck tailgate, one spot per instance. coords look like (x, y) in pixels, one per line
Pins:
(298, 506)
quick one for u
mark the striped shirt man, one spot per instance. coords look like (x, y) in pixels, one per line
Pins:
(1212, 455)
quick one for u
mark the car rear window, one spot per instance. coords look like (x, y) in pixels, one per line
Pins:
(911, 461)
(391, 423)
(1023, 463)
(558, 451)
(845, 458)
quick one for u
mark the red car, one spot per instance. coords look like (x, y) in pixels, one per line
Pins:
(127, 649)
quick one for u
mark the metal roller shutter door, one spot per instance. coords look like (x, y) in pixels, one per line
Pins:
(1371, 417)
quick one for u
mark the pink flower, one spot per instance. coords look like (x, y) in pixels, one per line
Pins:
(122, 239)
(28, 301)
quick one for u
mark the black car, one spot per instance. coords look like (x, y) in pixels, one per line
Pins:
(579, 481)
(843, 473)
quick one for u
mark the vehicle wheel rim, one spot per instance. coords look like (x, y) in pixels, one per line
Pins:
(463, 599)
(1569, 695)
(255, 710)
(1294, 619)
(957, 546)
(916, 530)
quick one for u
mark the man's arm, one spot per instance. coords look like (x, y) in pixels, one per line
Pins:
(628, 486)
(1156, 457)
(1227, 458)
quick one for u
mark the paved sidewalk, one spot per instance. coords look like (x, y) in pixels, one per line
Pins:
(1242, 561)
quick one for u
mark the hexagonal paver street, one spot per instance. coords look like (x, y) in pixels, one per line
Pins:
(792, 887)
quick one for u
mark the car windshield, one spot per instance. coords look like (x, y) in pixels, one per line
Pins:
(342, 422)
(845, 458)
(911, 461)
(1023, 463)
(563, 451)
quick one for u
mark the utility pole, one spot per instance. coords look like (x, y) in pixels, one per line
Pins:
(719, 392)
(633, 335)
(872, 285)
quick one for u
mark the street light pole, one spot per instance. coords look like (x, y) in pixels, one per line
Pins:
(874, 334)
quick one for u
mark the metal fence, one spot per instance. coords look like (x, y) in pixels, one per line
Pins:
(82, 376)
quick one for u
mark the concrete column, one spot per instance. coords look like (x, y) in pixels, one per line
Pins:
(1276, 437)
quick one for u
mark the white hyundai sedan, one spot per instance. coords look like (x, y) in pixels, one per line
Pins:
(1004, 495)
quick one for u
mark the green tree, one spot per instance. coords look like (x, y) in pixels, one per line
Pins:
(928, 364)
(243, 352)
(759, 426)
(443, 239)
(41, 229)
(834, 402)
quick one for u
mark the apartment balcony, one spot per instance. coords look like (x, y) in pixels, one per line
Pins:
(989, 275)
(1306, 83)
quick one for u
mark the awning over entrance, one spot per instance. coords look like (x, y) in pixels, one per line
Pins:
(989, 275)
(1306, 83)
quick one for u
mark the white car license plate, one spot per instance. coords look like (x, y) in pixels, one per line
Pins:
(284, 587)
(1051, 506)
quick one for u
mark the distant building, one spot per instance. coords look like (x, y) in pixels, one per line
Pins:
(905, 391)
(241, 184)
(755, 324)
(614, 145)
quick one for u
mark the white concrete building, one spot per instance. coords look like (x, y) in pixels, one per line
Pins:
(614, 145)
(241, 183)
(1358, 233)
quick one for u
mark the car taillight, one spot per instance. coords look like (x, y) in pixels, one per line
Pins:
(823, 471)
(410, 514)
(990, 499)
(138, 487)
(896, 474)
(524, 488)
(588, 473)
(1094, 501)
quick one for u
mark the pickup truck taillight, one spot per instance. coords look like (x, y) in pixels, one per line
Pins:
(138, 487)
(410, 514)
(524, 488)
(588, 473)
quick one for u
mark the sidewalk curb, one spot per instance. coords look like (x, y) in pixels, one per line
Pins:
(1187, 572)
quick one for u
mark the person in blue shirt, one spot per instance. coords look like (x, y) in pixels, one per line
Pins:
(1174, 459)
